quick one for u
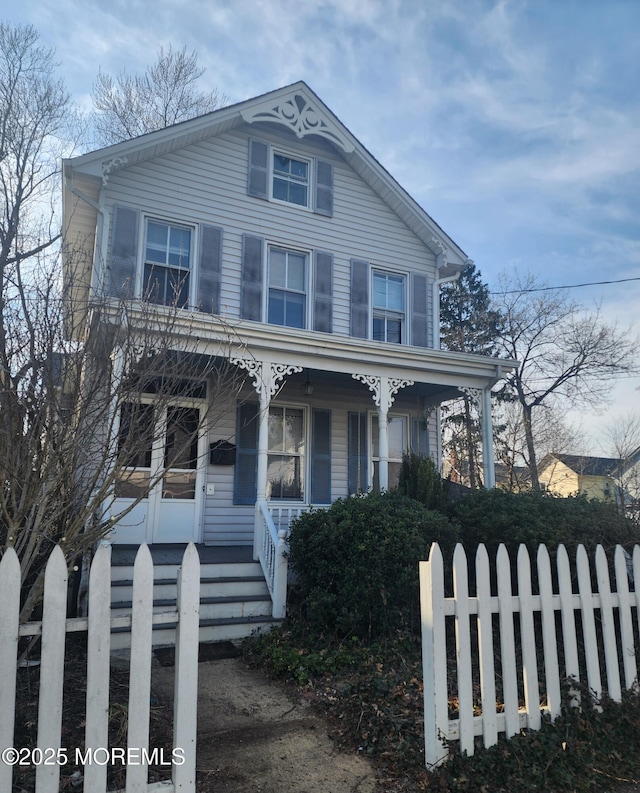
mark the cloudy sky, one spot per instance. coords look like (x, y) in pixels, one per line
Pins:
(514, 123)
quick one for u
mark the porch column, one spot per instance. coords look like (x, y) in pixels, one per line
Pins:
(267, 379)
(487, 441)
(384, 390)
(482, 399)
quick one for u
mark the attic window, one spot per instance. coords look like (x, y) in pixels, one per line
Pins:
(290, 180)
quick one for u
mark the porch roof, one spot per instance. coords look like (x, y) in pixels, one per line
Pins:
(440, 370)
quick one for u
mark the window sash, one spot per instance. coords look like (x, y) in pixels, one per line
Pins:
(287, 294)
(166, 274)
(290, 179)
(286, 453)
(388, 307)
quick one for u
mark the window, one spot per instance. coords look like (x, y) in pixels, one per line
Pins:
(167, 264)
(388, 307)
(135, 445)
(398, 446)
(290, 180)
(287, 297)
(285, 466)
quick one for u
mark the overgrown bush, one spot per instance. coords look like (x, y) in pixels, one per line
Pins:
(356, 563)
(497, 516)
(421, 480)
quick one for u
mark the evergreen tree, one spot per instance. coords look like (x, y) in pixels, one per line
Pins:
(467, 324)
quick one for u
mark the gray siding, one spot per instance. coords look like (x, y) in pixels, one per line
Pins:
(210, 181)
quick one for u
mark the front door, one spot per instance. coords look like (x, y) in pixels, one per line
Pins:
(171, 459)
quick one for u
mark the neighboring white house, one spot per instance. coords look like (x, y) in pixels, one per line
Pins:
(272, 215)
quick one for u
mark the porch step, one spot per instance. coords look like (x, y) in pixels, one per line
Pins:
(234, 598)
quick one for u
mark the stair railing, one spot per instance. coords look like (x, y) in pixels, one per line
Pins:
(271, 545)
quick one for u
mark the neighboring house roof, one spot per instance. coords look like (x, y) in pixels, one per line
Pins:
(584, 465)
(297, 108)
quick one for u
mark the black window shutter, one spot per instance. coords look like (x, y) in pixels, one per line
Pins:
(358, 453)
(246, 469)
(321, 457)
(258, 172)
(360, 298)
(324, 188)
(251, 288)
(420, 437)
(323, 292)
(419, 318)
(210, 269)
(124, 252)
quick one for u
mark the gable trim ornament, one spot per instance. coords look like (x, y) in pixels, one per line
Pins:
(301, 116)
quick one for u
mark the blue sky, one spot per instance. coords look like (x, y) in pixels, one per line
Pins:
(514, 123)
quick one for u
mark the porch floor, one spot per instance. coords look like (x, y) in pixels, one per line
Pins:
(172, 553)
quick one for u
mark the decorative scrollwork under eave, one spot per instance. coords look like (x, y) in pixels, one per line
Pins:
(110, 166)
(300, 116)
(266, 376)
(395, 384)
(475, 394)
(375, 383)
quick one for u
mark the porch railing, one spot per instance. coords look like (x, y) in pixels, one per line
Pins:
(272, 530)
(271, 545)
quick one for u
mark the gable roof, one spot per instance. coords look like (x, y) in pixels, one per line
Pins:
(585, 465)
(298, 108)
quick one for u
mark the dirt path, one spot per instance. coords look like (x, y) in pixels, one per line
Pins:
(254, 738)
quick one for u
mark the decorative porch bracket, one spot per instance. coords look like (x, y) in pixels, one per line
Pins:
(384, 390)
(481, 397)
(268, 546)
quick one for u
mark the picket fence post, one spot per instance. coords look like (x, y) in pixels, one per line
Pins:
(9, 616)
(98, 648)
(434, 657)
(185, 715)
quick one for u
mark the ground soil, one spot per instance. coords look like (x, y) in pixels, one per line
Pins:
(255, 736)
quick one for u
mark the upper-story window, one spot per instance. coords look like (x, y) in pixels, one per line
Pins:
(287, 295)
(290, 179)
(388, 307)
(167, 263)
(279, 175)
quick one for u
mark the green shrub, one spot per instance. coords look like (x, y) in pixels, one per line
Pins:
(497, 516)
(356, 563)
(421, 480)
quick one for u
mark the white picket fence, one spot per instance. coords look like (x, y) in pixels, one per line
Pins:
(52, 758)
(535, 637)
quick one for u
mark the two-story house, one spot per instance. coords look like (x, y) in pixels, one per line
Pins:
(269, 215)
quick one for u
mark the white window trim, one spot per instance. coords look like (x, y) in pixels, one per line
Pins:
(306, 458)
(193, 260)
(310, 161)
(407, 440)
(404, 274)
(269, 244)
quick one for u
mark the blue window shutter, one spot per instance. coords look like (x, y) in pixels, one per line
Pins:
(419, 318)
(420, 437)
(360, 298)
(358, 453)
(251, 288)
(324, 188)
(246, 469)
(121, 275)
(321, 457)
(210, 269)
(323, 292)
(258, 173)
